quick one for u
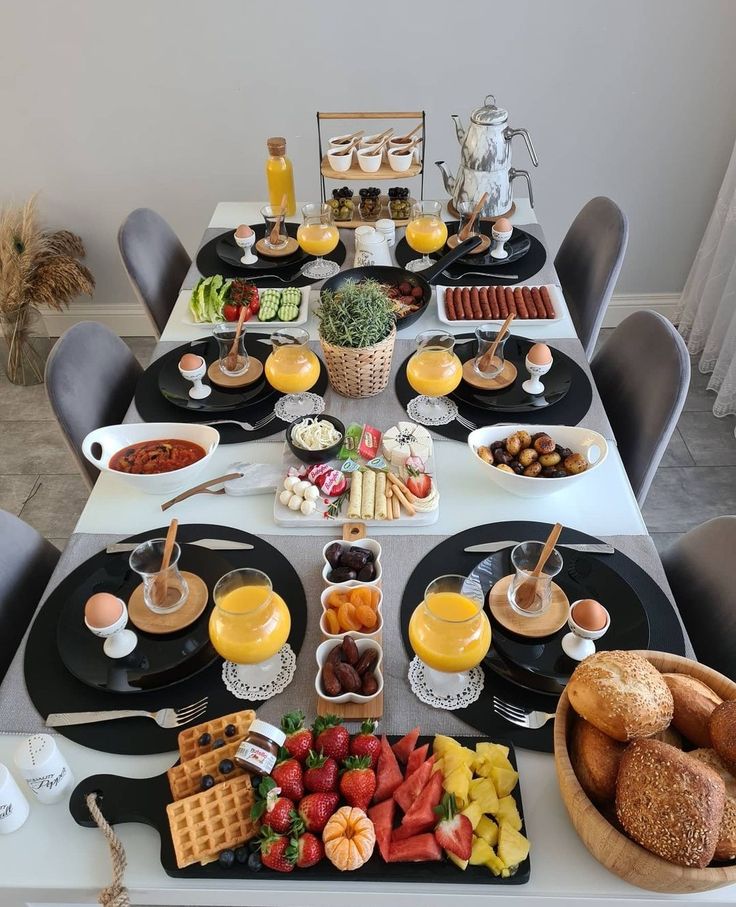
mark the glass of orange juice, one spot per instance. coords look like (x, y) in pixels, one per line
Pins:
(433, 371)
(317, 235)
(426, 232)
(293, 368)
(249, 625)
(450, 634)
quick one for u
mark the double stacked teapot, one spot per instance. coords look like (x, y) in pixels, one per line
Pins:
(485, 160)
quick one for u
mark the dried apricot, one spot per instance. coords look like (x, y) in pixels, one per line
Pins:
(361, 595)
(375, 597)
(337, 598)
(332, 624)
(367, 616)
(347, 618)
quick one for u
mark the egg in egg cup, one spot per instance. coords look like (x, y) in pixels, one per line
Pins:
(579, 644)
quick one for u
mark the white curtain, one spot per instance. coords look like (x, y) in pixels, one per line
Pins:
(707, 315)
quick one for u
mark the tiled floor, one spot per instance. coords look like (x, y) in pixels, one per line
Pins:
(39, 481)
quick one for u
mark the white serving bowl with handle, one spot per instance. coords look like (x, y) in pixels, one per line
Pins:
(102, 444)
(584, 441)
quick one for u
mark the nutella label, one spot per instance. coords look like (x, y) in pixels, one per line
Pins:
(257, 757)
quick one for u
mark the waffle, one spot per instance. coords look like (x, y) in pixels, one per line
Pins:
(204, 825)
(185, 778)
(189, 748)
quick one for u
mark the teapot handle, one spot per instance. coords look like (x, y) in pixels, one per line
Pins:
(510, 133)
(513, 173)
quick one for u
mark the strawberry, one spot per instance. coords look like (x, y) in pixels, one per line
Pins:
(419, 483)
(276, 811)
(306, 850)
(321, 773)
(454, 831)
(358, 781)
(366, 743)
(331, 737)
(316, 809)
(288, 774)
(274, 851)
(299, 739)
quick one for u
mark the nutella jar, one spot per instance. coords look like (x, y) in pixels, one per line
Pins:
(257, 754)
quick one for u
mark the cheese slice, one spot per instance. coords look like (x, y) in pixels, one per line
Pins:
(406, 440)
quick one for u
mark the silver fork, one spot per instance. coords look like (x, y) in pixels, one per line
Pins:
(167, 718)
(466, 423)
(246, 426)
(481, 274)
(522, 717)
(253, 278)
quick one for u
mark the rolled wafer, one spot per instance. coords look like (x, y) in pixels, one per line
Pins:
(381, 505)
(355, 502)
(368, 505)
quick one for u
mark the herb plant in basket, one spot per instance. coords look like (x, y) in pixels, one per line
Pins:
(357, 331)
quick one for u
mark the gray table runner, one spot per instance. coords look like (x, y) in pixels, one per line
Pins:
(402, 708)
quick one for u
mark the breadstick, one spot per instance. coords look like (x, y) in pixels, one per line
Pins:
(394, 479)
(546, 299)
(521, 309)
(503, 309)
(529, 302)
(379, 511)
(396, 507)
(367, 508)
(389, 509)
(475, 303)
(399, 498)
(356, 496)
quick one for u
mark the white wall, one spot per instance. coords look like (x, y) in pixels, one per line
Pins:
(110, 105)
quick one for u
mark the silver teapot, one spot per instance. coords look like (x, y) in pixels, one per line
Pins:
(485, 160)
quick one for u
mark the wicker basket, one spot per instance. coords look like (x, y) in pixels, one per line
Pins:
(362, 372)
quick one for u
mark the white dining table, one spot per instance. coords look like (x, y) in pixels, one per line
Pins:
(53, 861)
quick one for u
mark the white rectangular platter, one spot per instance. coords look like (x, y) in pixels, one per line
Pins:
(254, 322)
(519, 323)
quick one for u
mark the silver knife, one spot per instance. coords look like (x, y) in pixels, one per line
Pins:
(212, 544)
(587, 548)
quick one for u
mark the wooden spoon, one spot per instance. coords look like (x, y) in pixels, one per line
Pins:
(377, 150)
(349, 138)
(161, 583)
(468, 226)
(527, 591)
(408, 149)
(276, 229)
(381, 135)
(202, 488)
(232, 356)
(405, 138)
(346, 149)
(486, 360)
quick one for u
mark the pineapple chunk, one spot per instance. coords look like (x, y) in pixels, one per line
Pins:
(505, 781)
(439, 766)
(474, 813)
(458, 783)
(486, 829)
(482, 767)
(481, 852)
(442, 744)
(513, 848)
(483, 791)
(507, 812)
(495, 865)
(461, 864)
(493, 752)
(455, 759)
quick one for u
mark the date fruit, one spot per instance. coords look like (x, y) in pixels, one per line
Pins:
(330, 682)
(369, 684)
(348, 677)
(342, 575)
(366, 662)
(350, 652)
(335, 655)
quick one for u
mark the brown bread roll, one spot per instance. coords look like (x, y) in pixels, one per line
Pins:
(726, 846)
(622, 694)
(694, 702)
(723, 733)
(595, 757)
(670, 803)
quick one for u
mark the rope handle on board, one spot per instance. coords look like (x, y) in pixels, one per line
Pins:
(116, 895)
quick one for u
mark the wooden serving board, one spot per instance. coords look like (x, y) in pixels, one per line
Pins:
(354, 172)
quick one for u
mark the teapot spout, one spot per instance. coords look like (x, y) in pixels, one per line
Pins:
(459, 128)
(447, 177)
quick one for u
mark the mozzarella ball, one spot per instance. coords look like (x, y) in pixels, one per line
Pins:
(308, 507)
(290, 482)
(295, 502)
(311, 493)
(285, 497)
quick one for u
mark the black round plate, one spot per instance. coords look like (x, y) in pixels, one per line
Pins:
(557, 381)
(540, 664)
(175, 389)
(517, 246)
(52, 688)
(158, 660)
(231, 253)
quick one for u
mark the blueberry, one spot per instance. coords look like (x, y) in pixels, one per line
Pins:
(254, 862)
(204, 739)
(207, 782)
(226, 859)
(218, 743)
(230, 730)
(241, 854)
(225, 767)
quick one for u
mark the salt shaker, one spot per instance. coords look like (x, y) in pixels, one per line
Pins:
(538, 362)
(192, 368)
(387, 227)
(13, 805)
(106, 617)
(45, 770)
(245, 238)
(500, 234)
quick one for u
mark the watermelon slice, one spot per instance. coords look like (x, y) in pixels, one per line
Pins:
(403, 747)
(416, 757)
(422, 814)
(406, 794)
(388, 773)
(382, 817)
(412, 829)
(419, 849)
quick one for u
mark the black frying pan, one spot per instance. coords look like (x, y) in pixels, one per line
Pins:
(396, 275)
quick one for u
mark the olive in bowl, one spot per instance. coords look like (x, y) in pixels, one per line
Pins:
(306, 429)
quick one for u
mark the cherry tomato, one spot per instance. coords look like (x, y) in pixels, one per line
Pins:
(230, 312)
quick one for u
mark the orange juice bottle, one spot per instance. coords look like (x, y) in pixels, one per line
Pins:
(280, 175)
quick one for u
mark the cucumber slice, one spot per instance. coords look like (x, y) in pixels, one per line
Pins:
(288, 312)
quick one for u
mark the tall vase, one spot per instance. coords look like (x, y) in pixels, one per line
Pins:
(24, 345)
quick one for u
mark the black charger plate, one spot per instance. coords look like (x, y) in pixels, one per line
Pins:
(540, 664)
(517, 246)
(144, 800)
(158, 660)
(153, 407)
(557, 381)
(52, 688)
(664, 627)
(229, 252)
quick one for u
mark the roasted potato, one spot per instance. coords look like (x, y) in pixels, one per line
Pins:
(513, 444)
(533, 469)
(544, 445)
(525, 438)
(504, 468)
(527, 456)
(550, 459)
(485, 454)
(575, 464)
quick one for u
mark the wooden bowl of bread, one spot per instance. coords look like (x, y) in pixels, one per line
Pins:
(645, 749)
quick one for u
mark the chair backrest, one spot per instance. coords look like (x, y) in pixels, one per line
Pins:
(642, 372)
(155, 260)
(27, 561)
(90, 380)
(701, 569)
(588, 263)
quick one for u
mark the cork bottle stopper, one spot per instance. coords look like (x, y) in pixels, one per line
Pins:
(276, 145)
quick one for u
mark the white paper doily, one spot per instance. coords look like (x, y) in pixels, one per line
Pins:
(443, 412)
(312, 405)
(465, 697)
(235, 684)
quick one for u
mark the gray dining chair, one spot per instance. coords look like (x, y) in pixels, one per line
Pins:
(156, 262)
(701, 570)
(642, 372)
(90, 380)
(588, 264)
(27, 561)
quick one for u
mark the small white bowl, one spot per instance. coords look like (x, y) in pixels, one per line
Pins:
(335, 142)
(369, 141)
(370, 545)
(362, 644)
(399, 162)
(341, 162)
(580, 440)
(356, 634)
(369, 163)
(395, 145)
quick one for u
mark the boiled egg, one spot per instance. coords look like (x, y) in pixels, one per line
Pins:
(539, 354)
(503, 225)
(189, 362)
(243, 231)
(589, 614)
(102, 610)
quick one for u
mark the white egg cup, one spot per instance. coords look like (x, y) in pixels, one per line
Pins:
(500, 237)
(578, 644)
(119, 642)
(198, 391)
(533, 385)
(246, 244)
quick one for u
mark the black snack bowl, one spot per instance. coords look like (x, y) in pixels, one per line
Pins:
(316, 456)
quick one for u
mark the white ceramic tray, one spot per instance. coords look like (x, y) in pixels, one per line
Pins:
(525, 323)
(254, 322)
